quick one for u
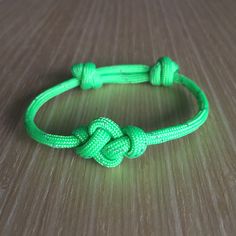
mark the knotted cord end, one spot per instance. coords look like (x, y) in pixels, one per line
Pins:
(163, 72)
(87, 75)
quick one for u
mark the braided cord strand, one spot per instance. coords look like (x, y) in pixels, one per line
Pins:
(103, 139)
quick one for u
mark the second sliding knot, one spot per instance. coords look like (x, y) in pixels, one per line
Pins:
(87, 75)
(163, 72)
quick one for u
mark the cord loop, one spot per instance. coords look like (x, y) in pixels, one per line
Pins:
(162, 73)
(87, 75)
(138, 141)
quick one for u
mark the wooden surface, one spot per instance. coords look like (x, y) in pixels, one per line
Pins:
(183, 187)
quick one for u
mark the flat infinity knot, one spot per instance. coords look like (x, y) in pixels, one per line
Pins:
(163, 72)
(108, 144)
(87, 75)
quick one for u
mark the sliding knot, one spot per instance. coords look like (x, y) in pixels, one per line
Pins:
(108, 144)
(87, 75)
(163, 72)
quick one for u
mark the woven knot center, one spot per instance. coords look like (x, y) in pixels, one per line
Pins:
(108, 144)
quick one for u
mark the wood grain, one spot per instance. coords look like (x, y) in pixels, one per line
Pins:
(183, 187)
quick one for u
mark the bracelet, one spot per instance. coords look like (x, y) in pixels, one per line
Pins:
(103, 139)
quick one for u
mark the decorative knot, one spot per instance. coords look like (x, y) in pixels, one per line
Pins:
(87, 75)
(163, 72)
(108, 144)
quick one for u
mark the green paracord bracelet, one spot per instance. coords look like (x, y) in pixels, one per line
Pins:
(103, 139)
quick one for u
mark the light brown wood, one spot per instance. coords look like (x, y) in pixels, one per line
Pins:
(183, 187)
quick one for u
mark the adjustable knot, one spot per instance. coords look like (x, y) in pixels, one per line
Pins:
(87, 75)
(108, 144)
(162, 73)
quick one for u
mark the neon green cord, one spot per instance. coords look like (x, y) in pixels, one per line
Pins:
(103, 139)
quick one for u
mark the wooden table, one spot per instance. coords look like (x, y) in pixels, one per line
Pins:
(183, 187)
